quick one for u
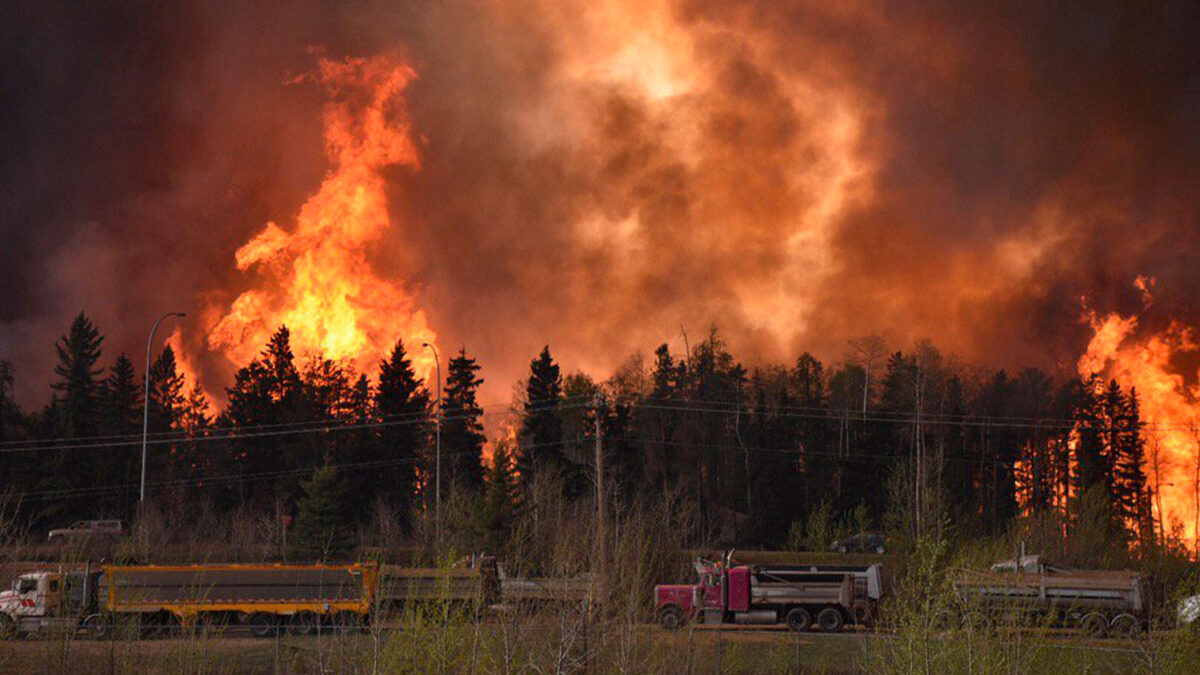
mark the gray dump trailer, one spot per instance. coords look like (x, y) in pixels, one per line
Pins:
(1098, 601)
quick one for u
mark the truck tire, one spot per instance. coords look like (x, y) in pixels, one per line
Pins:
(304, 623)
(831, 619)
(977, 621)
(1125, 625)
(97, 627)
(264, 625)
(8, 627)
(347, 622)
(670, 618)
(799, 620)
(1094, 624)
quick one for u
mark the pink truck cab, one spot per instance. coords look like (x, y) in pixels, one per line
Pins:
(829, 596)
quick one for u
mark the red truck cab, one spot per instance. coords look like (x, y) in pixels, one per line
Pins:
(797, 595)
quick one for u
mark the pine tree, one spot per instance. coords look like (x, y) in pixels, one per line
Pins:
(74, 412)
(502, 499)
(541, 429)
(167, 397)
(122, 416)
(656, 425)
(321, 530)
(462, 425)
(9, 412)
(402, 402)
(283, 377)
(78, 355)
(13, 468)
(122, 399)
(268, 391)
(1090, 462)
(1132, 491)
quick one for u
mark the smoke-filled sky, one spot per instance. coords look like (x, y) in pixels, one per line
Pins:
(595, 175)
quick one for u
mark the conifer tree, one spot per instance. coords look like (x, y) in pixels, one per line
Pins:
(502, 498)
(321, 530)
(122, 416)
(541, 429)
(462, 425)
(77, 384)
(12, 467)
(122, 399)
(167, 396)
(267, 391)
(74, 412)
(402, 403)
(1131, 486)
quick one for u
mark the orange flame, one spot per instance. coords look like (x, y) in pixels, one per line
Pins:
(318, 278)
(1169, 407)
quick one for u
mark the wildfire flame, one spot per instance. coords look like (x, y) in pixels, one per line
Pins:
(318, 278)
(1169, 407)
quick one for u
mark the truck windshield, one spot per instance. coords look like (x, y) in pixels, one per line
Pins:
(26, 586)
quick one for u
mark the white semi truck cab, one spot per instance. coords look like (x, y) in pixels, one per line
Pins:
(43, 600)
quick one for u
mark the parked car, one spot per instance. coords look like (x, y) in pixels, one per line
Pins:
(863, 542)
(84, 529)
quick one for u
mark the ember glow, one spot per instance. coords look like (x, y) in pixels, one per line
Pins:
(1169, 407)
(318, 278)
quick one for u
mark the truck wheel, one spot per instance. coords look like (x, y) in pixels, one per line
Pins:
(304, 623)
(977, 621)
(8, 627)
(799, 620)
(670, 618)
(1124, 624)
(842, 549)
(97, 627)
(263, 626)
(830, 619)
(1094, 624)
(347, 621)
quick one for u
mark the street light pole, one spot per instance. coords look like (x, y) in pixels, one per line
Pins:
(437, 490)
(146, 399)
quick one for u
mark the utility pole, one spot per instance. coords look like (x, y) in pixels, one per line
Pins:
(600, 515)
(146, 401)
(437, 490)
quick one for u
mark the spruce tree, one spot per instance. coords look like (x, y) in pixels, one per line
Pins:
(167, 396)
(77, 384)
(321, 530)
(402, 404)
(266, 392)
(502, 499)
(462, 425)
(1131, 486)
(541, 429)
(122, 416)
(74, 412)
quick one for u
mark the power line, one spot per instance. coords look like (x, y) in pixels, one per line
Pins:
(321, 424)
(237, 433)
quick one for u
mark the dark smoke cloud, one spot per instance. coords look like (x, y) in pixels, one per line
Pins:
(1003, 162)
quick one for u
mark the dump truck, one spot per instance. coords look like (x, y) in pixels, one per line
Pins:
(1097, 601)
(473, 581)
(149, 599)
(800, 596)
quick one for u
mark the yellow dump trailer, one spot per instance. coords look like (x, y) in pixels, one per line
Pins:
(267, 597)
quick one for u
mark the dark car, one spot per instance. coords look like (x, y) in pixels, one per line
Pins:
(863, 542)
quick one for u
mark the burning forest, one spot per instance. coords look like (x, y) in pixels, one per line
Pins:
(801, 266)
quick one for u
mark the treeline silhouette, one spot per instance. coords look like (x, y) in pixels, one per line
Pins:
(907, 441)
